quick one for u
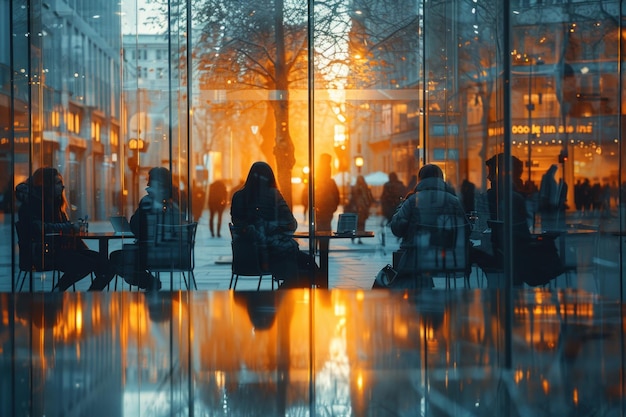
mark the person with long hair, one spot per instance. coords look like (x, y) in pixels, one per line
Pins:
(260, 209)
(43, 207)
(361, 199)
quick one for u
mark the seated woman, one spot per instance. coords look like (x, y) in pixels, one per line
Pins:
(43, 207)
(260, 210)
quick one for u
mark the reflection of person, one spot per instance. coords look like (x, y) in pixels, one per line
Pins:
(44, 209)
(261, 306)
(157, 207)
(218, 198)
(326, 203)
(393, 193)
(420, 211)
(549, 196)
(488, 260)
(326, 194)
(361, 200)
(260, 212)
(468, 194)
(199, 196)
(495, 194)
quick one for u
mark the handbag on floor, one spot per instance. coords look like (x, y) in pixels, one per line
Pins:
(385, 277)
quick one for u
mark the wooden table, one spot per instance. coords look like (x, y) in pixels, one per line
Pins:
(324, 238)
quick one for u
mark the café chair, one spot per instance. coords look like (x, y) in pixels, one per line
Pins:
(438, 252)
(537, 259)
(246, 259)
(33, 256)
(172, 250)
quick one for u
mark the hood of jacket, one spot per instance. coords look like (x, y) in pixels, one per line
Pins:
(434, 184)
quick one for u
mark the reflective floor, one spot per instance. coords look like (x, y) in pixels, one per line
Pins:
(311, 353)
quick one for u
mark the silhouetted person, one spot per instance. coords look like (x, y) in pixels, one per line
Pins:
(326, 200)
(326, 194)
(43, 211)
(259, 212)
(199, 197)
(549, 198)
(157, 207)
(468, 194)
(393, 193)
(218, 199)
(418, 216)
(361, 199)
(533, 260)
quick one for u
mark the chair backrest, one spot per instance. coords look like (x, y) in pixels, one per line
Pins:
(441, 247)
(34, 254)
(246, 254)
(172, 248)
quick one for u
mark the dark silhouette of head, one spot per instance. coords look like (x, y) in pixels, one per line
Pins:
(495, 170)
(261, 175)
(46, 184)
(161, 179)
(430, 171)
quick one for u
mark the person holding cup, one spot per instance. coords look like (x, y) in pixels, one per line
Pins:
(43, 211)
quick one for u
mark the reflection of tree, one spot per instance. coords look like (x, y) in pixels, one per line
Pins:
(474, 28)
(265, 46)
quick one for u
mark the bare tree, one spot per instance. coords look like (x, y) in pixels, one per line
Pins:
(264, 45)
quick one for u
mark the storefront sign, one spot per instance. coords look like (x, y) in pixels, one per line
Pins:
(538, 130)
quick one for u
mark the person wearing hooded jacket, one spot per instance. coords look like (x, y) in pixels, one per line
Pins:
(260, 212)
(420, 210)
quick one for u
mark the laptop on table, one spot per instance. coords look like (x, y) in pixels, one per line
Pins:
(121, 226)
(346, 225)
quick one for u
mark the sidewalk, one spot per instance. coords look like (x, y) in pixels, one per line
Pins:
(351, 265)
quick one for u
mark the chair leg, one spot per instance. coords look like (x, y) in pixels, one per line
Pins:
(19, 274)
(192, 279)
(258, 287)
(233, 284)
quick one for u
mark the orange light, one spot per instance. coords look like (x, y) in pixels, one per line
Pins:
(136, 144)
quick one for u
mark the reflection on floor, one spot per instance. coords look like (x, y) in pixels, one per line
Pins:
(311, 353)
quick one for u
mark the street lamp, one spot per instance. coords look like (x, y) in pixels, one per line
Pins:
(358, 161)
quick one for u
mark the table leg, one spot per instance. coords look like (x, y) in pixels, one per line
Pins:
(324, 244)
(103, 250)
